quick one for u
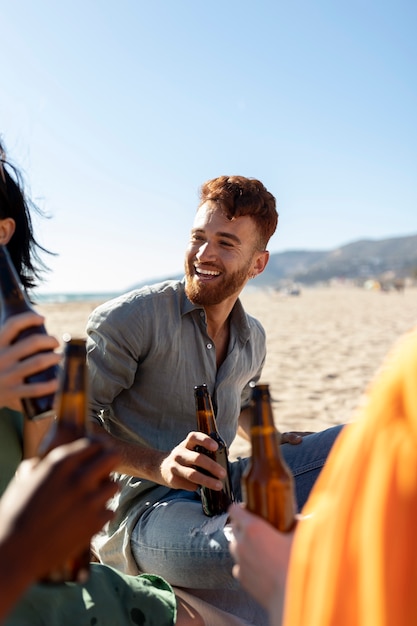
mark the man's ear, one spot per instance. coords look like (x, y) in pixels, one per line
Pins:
(7, 228)
(260, 262)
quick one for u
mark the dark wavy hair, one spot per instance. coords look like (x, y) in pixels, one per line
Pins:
(239, 196)
(23, 247)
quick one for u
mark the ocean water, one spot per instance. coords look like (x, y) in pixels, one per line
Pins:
(43, 298)
(62, 298)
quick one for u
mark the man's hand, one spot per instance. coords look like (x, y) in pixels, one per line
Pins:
(245, 420)
(294, 437)
(184, 467)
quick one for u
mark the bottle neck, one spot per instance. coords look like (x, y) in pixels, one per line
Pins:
(265, 441)
(206, 422)
(262, 416)
(72, 397)
(265, 438)
(13, 298)
(72, 409)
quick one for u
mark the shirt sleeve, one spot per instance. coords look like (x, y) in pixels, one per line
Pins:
(113, 351)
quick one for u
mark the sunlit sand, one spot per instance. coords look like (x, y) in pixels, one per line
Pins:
(324, 347)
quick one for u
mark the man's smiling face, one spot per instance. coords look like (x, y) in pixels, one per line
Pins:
(221, 255)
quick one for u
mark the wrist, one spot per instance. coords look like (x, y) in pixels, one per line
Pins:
(17, 573)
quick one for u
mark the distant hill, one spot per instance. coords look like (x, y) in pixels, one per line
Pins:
(359, 261)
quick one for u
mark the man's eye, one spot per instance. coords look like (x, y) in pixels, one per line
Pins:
(227, 244)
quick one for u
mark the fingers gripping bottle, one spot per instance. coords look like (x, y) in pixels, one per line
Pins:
(267, 483)
(70, 424)
(13, 300)
(214, 502)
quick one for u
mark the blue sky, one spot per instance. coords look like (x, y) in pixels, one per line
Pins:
(117, 112)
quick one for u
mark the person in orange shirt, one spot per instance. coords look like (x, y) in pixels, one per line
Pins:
(352, 558)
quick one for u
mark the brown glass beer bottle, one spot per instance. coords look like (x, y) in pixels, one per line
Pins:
(267, 483)
(13, 300)
(70, 424)
(214, 502)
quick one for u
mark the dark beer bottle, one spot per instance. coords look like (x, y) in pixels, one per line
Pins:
(13, 300)
(70, 424)
(267, 483)
(214, 502)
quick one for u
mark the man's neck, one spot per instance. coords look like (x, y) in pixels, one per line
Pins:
(217, 316)
(218, 328)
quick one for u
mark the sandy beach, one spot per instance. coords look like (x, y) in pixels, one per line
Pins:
(324, 346)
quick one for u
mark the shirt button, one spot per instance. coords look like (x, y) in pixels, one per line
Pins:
(201, 313)
(209, 346)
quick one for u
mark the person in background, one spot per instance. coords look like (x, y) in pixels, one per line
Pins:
(352, 558)
(146, 352)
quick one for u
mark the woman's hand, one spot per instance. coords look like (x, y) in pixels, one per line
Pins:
(23, 358)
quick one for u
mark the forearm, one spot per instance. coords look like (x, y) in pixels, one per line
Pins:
(33, 434)
(135, 459)
(245, 419)
(184, 467)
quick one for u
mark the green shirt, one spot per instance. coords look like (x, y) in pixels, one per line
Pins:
(11, 443)
(109, 598)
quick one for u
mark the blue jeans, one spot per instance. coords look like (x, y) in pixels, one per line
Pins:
(175, 540)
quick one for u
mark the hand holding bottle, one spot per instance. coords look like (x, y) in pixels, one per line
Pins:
(71, 423)
(187, 468)
(214, 502)
(14, 301)
(20, 360)
(53, 506)
(261, 555)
